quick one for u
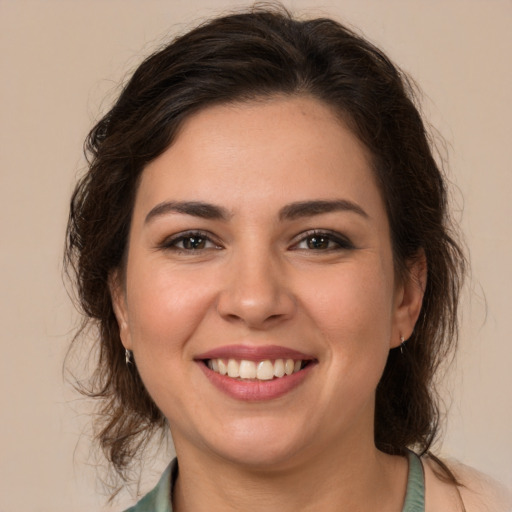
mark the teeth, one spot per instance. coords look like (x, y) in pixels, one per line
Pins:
(247, 369)
(233, 369)
(262, 370)
(279, 368)
(223, 368)
(265, 370)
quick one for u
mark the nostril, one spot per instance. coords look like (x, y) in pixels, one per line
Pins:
(274, 317)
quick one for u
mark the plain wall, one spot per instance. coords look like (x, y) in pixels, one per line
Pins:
(59, 60)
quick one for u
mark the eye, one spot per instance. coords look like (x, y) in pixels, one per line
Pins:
(323, 241)
(190, 242)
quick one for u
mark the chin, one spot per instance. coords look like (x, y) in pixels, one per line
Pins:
(257, 458)
(260, 444)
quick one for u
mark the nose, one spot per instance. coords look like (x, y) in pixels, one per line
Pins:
(256, 292)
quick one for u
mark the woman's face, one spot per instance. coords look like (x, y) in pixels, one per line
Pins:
(259, 238)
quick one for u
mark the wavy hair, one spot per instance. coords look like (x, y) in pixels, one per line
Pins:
(256, 54)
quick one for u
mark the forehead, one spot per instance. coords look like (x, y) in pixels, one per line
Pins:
(275, 150)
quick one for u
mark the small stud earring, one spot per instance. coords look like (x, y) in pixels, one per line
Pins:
(127, 357)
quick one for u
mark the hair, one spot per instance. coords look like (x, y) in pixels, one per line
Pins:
(254, 55)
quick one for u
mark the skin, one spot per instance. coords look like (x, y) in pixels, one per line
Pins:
(479, 492)
(257, 280)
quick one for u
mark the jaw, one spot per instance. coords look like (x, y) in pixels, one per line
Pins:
(273, 435)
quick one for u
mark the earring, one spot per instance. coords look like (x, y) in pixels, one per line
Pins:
(402, 343)
(127, 356)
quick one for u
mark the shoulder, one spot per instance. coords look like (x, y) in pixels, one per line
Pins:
(479, 492)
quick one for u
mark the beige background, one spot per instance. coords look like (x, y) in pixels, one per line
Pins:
(58, 62)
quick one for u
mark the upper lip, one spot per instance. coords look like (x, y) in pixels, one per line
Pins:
(254, 353)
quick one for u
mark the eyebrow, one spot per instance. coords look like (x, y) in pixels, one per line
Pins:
(195, 208)
(310, 208)
(289, 212)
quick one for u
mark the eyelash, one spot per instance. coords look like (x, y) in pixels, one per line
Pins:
(341, 242)
(322, 236)
(172, 242)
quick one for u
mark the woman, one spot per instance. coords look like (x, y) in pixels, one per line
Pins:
(263, 241)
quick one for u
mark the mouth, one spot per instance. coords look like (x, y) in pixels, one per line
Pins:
(264, 370)
(256, 373)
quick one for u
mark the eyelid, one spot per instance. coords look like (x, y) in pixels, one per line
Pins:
(343, 242)
(170, 242)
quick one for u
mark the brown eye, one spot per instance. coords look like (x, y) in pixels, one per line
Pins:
(318, 242)
(191, 243)
(323, 241)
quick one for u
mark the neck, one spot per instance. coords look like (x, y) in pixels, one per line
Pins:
(343, 478)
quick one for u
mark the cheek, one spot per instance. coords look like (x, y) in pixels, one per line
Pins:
(165, 309)
(164, 314)
(353, 300)
(353, 310)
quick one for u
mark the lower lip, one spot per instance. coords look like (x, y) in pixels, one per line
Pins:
(256, 390)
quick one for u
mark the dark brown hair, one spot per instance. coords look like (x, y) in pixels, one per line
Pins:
(262, 53)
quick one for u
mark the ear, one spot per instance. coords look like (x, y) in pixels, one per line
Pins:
(409, 298)
(118, 298)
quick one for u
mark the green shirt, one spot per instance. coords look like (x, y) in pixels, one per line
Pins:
(159, 499)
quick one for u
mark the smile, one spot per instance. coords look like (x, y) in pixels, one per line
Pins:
(256, 373)
(255, 370)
